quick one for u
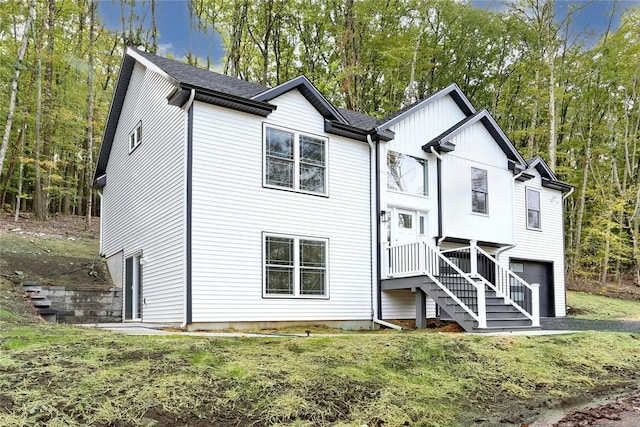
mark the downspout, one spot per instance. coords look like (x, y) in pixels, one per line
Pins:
(568, 194)
(188, 156)
(101, 244)
(376, 274)
(440, 238)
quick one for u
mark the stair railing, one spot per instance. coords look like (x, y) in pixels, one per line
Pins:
(522, 295)
(419, 258)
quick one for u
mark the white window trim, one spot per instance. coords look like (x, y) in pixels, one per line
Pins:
(486, 213)
(526, 208)
(296, 267)
(425, 170)
(296, 160)
(137, 137)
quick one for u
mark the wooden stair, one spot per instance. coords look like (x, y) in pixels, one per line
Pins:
(501, 316)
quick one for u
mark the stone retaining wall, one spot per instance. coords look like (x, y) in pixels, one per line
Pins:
(85, 305)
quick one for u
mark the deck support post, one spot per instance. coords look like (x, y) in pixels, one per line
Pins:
(535, 304)
(473, 258)
(421, 309)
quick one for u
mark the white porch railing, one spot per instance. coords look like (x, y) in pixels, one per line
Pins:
(415, 259)
(464, 280)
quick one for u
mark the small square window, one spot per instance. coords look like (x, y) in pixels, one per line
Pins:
(135, 137)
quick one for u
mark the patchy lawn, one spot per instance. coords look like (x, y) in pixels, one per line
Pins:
(59, 376)
(597, 307)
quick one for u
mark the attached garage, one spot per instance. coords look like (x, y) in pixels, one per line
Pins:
(541, 273)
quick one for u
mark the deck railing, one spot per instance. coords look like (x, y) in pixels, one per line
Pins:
(524, 296)
(421, 259)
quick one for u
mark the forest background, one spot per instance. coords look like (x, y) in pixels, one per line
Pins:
(575, 104)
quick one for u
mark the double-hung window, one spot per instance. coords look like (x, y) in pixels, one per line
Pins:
(479, 191)
(406, 174)
(135, 137)
(295, 161)
(533, 209)
(295, 266)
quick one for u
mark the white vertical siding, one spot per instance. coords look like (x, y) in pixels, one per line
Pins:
(144, 195)
(476, 148)
(546, 244)
(231, 210)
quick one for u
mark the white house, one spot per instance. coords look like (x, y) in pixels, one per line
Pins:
(229, 204)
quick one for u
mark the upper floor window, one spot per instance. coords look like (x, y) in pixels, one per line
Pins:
(533, 209)
(406, 173)
(295, 160)
(135, 137)
(479, 191)
(295, 266)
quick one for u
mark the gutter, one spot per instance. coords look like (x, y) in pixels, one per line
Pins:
(188, 153)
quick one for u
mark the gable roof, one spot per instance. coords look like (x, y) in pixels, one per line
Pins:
(309, 91)
(452, 90)
(549, 179)
(490, 125)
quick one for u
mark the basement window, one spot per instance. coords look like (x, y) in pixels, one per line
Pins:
(295, 267)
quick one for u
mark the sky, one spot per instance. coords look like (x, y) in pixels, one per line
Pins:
(177, 38)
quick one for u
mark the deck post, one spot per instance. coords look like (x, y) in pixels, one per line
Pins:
(473, 258)
(482, 306)
(535, 304)
(421, 309)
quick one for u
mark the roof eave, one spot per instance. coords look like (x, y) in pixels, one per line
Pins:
(310, 92)
(124, 76)
(353, 132)
(456, 94)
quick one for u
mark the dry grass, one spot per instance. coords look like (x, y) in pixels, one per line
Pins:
(57, 375)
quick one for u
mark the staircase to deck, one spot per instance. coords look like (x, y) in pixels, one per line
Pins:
(452, 280)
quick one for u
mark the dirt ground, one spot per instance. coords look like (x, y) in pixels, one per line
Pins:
(624, 412)
(59, 251)
(625, 288)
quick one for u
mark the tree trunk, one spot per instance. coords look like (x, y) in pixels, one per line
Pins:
(14, 84)
(89, 165)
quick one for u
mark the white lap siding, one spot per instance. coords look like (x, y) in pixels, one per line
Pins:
(144, 194)
(231, 210)
(546, 244)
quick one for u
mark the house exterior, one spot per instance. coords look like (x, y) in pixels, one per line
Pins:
(229, 204)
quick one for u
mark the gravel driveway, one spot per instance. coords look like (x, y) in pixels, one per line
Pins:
(571, 324)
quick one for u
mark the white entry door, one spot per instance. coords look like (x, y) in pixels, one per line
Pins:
(404, 228)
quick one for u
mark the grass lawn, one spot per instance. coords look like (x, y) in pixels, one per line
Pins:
(589, 306)
(57, 375)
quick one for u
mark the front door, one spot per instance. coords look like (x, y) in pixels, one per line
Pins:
(542, 273)
(405, 227)
(133, 288)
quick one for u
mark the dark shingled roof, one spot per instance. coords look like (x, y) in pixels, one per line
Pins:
(359, 120)
(205, 79)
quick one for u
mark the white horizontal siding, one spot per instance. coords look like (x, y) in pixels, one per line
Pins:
(231, 210)
(546, 244)
(401, 304)
(144, 195)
